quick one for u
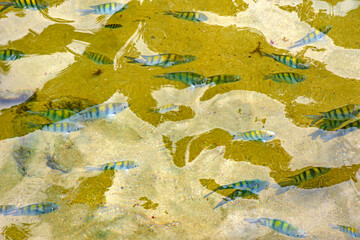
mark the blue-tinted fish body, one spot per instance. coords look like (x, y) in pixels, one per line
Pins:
(352, 232)
(279, 226)
(223, 78)
(312, 37)
(254, 186)
(235, 195)
(162, 60)
(122, 165)
(255, 135)
(106, 8)
(10, 54)
(189, 78)
(98, 58)
(34, 209)
(190, 16)
(4, 209)
(25, 4)
(106, 110)
(59, 127)
(166, 108)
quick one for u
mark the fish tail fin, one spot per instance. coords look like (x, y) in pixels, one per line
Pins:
(223, 202)
(85, 11)
(333, 226)
(282, 190)
(257, 49)
(90, 169)
(6, 5)
(267, 77)
(252, 220)
(134, 60)
(209, 194)
(32, 113)
(160, 76)
(169, 13)
(317, 133)
(315, 118)
(33, 125)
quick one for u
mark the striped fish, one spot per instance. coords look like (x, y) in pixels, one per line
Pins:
(254, 186)
(34, 209)
(25, 4)
(332, 125)
(60, 127)
(224, 78)
(255, 135)
(300, 178)
(106, 110)
(348, 112)
(98, 58)
(54, 115)
(106, 8)
(352, 232)
(286, 77)
(289, 61)
(123, 165)
(235, 195)
(189, 78)
(113, 26)
(190, 16)
(4, 209)
(279, 226)
(312, 37)
(166, 108)
(10, 54)
(162, 60)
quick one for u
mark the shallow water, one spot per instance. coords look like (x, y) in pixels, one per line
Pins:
(183, 154)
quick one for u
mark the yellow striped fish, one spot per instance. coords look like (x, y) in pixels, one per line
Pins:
(189, 78)
(312, 37)
(224, 78)
(54, 115)
(352, 232)
(166, 108)
(333, 125)
(25, 4)
(106, 110)
(162, 60)
(190, 16)
(348, 112)
(289, 61)
(10, 54)
(98, 58)
(235, 195)
(4, 209)
(123, 165)
(113, 26)
(286, 77)
(279, 226)
(255, 135)
(300, 178)
(60, 127)
(106, 8)
(34, 209)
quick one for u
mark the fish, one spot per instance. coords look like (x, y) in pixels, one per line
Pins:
(279, 225)
(162, 60)
(190, 16)
(25, 4)
(286, 77)
(98, 58)
(51, 163)
(223, 78)
(235, 195)
(113, 26)
(352, 232)
(21, 155)
(10, 54)
(312, 37)
(254, 186)
(54, 115)
(106, 8)
(255, 135)
(122, 165)
(328, 132)
(166, 108)
(34, 209)
(60, 127)
(300, 178)
(289, 61)
(106, 110)
(348, 112)
(4, 209)
(189, 78)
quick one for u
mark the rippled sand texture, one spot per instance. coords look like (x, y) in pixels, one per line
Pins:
(186, 153)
